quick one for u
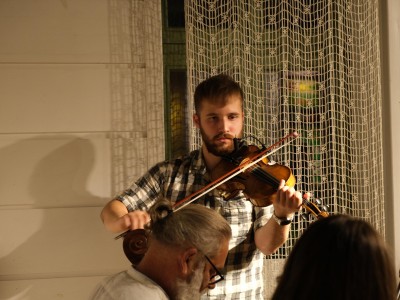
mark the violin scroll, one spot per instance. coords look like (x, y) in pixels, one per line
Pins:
(314, 208)
(135, 245)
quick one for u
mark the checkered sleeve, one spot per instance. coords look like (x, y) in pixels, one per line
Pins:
(145, 191)
(263, 214)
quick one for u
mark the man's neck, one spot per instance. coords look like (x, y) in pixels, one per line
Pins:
(159, 267)
(210, 159)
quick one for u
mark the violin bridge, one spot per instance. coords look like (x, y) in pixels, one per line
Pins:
(224, 194)
(228, 195)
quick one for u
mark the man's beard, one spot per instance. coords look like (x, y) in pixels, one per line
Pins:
(191, 290)
(214, 148)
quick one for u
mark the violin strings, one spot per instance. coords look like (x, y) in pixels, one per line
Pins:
(264, 175)
(234, 172)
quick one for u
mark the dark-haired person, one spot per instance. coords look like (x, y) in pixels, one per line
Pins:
(339, 257)
(186, 249)
(256, 231)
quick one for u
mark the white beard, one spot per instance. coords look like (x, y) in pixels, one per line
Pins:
(191, 290)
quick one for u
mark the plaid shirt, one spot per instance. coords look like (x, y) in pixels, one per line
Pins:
(181, 177)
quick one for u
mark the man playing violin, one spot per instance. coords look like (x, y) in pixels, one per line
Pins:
(256, 231)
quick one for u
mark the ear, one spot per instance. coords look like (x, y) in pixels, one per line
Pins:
(188, 260)
(196, 120)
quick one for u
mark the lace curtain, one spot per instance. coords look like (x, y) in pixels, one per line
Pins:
(306, 66)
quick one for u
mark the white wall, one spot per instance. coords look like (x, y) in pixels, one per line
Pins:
(75, 78)
(391, 121)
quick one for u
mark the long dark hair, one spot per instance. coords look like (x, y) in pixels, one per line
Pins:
(339, 257)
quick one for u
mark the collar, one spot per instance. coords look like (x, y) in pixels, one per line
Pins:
(197, 163)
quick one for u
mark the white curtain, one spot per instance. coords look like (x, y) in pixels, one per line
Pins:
(308, 66)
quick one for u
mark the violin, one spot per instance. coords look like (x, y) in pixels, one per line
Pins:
(247, 169)
(259, 183)
(233, 175)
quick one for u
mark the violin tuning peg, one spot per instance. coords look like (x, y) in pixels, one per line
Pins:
(304, 216)
(325, 208)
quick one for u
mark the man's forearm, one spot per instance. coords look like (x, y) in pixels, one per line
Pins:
(271, 236)
(111, 213)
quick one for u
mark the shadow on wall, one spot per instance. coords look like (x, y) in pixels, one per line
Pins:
(60, 178)
(47, 172)
(50, 225)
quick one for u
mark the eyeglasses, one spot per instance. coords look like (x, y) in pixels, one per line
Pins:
(216, 277)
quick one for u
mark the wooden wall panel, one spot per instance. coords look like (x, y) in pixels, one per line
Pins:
(54, 170)
(55, 98)
(57, 242)
(47, 31)
(77, 80)
(75, 288)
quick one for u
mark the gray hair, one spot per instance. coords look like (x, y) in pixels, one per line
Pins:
(191, 226)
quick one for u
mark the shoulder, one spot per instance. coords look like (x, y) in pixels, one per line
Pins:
(125, 284)
(190, 161)
(144, 286)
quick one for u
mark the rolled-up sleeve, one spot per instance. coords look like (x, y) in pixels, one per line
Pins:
(263, 214)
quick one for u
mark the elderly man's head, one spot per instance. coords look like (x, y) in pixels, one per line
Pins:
(187, 249)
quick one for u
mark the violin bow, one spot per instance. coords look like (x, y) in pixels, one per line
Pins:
(229, 175)
(234, 172)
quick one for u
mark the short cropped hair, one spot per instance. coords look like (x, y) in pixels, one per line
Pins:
(216, 89)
